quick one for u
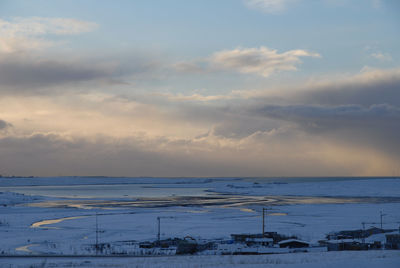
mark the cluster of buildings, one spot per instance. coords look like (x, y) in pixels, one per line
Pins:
(272, 242)
(267, 243)
(264, 243)
(239, 244)
(369, 239)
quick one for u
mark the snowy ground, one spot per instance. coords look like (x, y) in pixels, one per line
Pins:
(58, 215)
(353, 259)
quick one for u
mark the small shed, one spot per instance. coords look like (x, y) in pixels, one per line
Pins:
(293, 243)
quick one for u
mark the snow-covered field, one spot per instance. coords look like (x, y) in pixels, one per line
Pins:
(58, 216)
(353, 259)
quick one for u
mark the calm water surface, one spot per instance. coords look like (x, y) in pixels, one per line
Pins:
(106, 191)
(105, 187)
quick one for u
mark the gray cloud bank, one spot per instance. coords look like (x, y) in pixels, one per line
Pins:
(52, 155)
(374, 87)
(362, 112)
(375, 126)
(4, 125)
(29, 74)
(343, 127)
(26, 74)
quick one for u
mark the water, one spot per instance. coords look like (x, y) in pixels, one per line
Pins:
(106, 191)
(107, 188)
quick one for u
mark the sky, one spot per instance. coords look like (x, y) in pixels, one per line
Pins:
(200, 88)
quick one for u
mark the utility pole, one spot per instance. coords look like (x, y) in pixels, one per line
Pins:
(159, 230)
(382, 219)
(264, 212)
(363, 233)
(97, 236)
(159, 226)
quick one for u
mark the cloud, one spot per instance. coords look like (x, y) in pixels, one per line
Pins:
(195, 97)
(25, 34)
(358, 111)
(372, 86)
(189, 67)
(381, 56)
(50, 154)
(29, 74)
(331, 117)
(260, 154)
(268, 6)
(4, 125)
(261, 61)
(374, 127)
(342, 126)
(21, 73)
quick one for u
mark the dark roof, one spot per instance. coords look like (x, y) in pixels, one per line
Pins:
(284, 242)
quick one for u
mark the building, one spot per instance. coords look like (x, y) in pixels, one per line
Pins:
(262, 241)
(393, 241)
(345, 244)
(243, 237)
(293, 243)
(357, 234)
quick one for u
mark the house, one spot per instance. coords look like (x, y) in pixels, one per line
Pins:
(353, 234)
(337, 236)
(346, 244)
(393, 241)
(242, 237)
(375, 245)
(374, 230)
(146, 245)
(263, 241)
(186, 247)
(293, 243)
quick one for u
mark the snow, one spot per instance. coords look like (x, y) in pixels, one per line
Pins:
(56, 224)
(11, 198)
(344, 259)
(353, 188)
